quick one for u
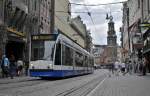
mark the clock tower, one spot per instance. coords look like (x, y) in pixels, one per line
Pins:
(111, 41)
(111, 37)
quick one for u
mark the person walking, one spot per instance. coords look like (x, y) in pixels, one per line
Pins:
(117, 68)
(13, 66)
(123, 68)
(130, 67)
(144, 66)
(19, 67)
(5, 66)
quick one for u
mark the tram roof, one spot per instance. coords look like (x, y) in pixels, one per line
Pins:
(68, 41)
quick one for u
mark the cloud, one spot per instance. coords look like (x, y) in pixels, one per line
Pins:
(100, 27)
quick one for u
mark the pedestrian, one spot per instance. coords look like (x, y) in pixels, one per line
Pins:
(130, 67)
(123, 68)
(13, 67)
(19, 67)
(26, 67)
(116, 68)
(144, 66)
(140, 67)
(5, 66)
(112, 67)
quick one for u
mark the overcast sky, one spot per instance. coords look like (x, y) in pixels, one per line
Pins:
(100, 27)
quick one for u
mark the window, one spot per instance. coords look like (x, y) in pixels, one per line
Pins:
(79, 58)
(148, 6)
(139, 3)
(37, 52)
(67, 55)
(85, 61)
(58, 54)
(35, 2)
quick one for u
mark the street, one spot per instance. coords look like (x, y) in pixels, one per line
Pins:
(76, 86)
(96, 84)
(74, 48)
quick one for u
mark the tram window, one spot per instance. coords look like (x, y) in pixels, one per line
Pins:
(79, 58)
(35, 52)
(86, 61)
(90, 64)
(58, 54)
(67, 55)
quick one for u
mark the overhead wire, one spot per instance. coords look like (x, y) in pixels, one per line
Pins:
(87, 12)
(97, 4)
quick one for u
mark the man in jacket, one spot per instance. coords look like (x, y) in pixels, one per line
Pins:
(5, 66)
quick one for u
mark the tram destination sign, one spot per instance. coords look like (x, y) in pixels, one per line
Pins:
(44, 37)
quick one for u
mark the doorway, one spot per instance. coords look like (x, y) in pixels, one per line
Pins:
(15, 48)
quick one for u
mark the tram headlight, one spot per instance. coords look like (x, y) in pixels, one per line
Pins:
(32, 66)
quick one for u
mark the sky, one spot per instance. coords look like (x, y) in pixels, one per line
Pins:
(99, 28)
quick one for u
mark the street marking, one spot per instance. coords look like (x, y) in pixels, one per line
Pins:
(96, 88)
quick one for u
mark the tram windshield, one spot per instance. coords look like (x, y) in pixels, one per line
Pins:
(42, 50)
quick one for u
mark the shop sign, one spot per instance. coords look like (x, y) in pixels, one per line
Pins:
(44, 37)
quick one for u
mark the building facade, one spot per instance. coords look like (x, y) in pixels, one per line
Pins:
(74, 28)
(145, 29)
(125, 34)
(135, 13)
(138, 18)
(14, 19)
(98, 52)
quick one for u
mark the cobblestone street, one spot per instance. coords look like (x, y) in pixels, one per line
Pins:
(129, 85)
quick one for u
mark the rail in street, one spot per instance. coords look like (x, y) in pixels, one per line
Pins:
(83, 89)
(76, 86)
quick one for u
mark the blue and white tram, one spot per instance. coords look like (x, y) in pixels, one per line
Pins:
(60, 57)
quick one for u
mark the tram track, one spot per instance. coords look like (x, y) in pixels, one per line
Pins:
(35, 82)
(58, 82)
(86, 88)
(66, 87)
(21, 84)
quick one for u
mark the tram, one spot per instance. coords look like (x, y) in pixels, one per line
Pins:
(61, 57)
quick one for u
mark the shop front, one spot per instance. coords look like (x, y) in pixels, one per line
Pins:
(16, 44)
(146, 49)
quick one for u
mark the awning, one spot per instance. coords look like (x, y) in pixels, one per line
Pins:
(146, 51)
(144, 27)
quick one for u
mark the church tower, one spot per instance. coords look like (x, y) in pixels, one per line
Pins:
(111, 37)
(111, 41)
